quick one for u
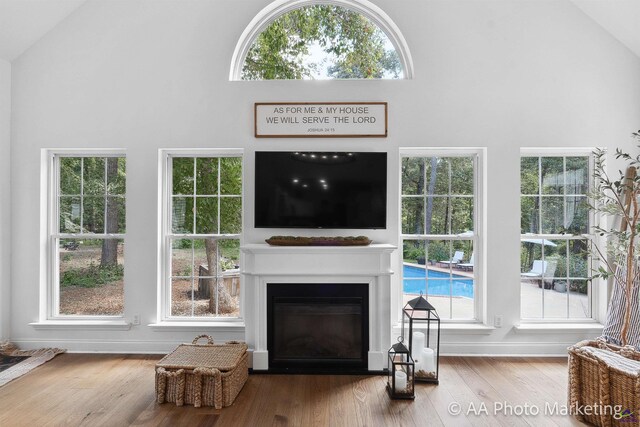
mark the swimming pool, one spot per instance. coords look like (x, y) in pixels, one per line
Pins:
(439, 282)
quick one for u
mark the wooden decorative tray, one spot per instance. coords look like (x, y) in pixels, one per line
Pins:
(318, 241)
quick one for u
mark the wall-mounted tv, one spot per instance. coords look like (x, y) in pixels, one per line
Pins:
(304, 189)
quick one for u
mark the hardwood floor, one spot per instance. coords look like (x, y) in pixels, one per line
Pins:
(118, 390)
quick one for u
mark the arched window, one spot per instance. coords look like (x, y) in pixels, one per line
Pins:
(306, 39)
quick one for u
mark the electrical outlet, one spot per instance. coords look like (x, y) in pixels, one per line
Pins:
(497, 321)
(136, 319)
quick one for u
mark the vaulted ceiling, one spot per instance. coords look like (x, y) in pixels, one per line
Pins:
(621, 18)
(24, 22)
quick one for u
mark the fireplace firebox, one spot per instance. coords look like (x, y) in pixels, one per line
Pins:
(318, 327)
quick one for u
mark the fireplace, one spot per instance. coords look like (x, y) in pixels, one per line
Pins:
(318, 269)
(318, 327)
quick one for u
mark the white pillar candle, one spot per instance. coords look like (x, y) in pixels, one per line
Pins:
(428, 360)
(417, 344)
(401, 381)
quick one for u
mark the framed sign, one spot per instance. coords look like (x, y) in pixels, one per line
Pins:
(321, 120)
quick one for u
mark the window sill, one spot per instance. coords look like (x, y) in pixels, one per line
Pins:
(197, 326)
(94, 325)
(558, 328)
(455, 328)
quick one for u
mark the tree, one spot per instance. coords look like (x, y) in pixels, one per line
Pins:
(109, 255)
(617, 197)
(217, 184)
(356, 46)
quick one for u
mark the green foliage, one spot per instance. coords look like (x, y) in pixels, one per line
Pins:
(230, 249)
(412, 251)
(357, 46)
(83, 187)
(216, 184)
(579, 286)
(438, 251)
(607, 199)
(419, 251)
(92, 276)
(437, 195)
(554, 195)
(578, 266)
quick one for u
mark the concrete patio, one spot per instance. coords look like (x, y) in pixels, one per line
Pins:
(556, 305)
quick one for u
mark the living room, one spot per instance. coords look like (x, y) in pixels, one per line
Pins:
(138, 131)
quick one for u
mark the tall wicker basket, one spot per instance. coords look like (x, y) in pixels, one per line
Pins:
(202, 374)
(604, 380)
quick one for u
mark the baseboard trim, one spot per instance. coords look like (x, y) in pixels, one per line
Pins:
(497, 349)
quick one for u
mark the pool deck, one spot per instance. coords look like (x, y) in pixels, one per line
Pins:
(535, 302)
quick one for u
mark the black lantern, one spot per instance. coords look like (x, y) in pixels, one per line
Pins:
(400, 383)
(424, 347)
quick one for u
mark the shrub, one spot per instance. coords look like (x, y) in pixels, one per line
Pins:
(438, 251)
(411, 252)
(92, 276)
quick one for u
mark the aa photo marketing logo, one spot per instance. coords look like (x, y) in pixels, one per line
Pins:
(626, 416)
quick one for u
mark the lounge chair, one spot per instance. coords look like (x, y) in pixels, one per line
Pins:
(457, 257)
(541, 270)
(467, 265)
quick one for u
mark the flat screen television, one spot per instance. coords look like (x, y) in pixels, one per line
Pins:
(303, 189)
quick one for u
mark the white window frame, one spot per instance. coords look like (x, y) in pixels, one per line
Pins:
(479, 243)
(50, 295)
(165, 235)
(598, 290)
(279, 7)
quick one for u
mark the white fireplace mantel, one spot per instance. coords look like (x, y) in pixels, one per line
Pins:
(263, 264)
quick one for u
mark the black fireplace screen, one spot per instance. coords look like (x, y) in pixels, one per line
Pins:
(317, 326)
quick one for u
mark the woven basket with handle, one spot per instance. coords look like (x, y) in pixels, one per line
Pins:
(202, 374)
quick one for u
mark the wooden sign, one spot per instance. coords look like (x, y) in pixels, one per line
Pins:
(321, 120)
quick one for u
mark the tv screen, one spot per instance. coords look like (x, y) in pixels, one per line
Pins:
(304, 189)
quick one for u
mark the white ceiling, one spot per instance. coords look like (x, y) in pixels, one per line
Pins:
(621, 18)
(24, 22)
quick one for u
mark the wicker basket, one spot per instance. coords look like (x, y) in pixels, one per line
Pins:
(605, 378)
(202, 374)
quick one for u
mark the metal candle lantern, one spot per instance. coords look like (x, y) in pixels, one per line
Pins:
(400, 382)
(425, 351)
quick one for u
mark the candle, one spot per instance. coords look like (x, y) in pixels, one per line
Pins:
(401, 382)
(417, 344)
(428, 360)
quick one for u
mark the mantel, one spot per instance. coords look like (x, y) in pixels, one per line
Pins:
(266, 260)
(263, 264)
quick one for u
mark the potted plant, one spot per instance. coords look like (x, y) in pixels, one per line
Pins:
(602, 372)
(617, 198)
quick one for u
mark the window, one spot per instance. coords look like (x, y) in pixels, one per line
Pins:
(321, 41)
(555, 227)
(87, 242)
(439, 238)
(202, 229)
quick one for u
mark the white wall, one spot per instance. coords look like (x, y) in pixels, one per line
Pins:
(147, 75)
(5, 198)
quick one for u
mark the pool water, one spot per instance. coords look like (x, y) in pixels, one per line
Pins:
(439, 283)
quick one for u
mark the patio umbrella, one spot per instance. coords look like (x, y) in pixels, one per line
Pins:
(540, 242)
